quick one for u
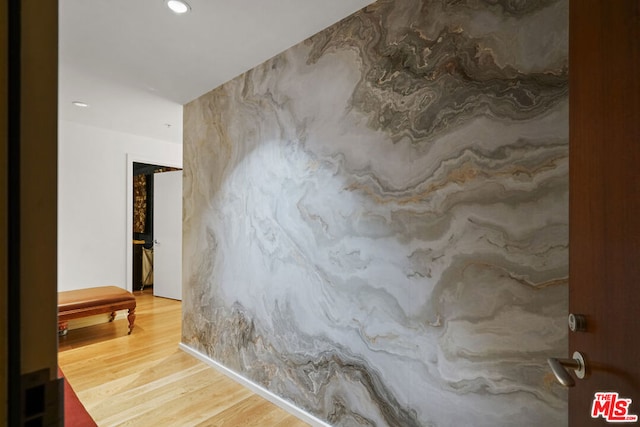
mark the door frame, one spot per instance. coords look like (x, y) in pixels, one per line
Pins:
(131, 159)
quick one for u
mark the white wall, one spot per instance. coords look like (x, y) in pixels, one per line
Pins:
(93, 234)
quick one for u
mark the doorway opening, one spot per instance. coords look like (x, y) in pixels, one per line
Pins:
(134, 240)
(143, 222)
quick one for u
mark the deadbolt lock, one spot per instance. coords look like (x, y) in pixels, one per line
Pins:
(577, 322)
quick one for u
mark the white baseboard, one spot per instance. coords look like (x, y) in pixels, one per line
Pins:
(258, 389)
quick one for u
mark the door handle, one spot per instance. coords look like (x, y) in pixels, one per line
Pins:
(559, 368)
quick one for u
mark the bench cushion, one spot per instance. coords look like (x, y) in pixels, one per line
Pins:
(91, 297)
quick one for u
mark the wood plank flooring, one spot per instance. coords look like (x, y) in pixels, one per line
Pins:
(143, 379)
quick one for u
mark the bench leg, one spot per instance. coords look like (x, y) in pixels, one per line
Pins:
(112, 317)
(131, 318)
(63, 328)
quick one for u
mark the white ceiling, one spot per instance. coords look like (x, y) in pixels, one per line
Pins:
(135, 62)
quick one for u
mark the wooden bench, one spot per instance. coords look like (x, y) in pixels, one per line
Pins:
(91, 301)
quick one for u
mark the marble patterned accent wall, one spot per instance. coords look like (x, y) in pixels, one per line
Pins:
(376, 220)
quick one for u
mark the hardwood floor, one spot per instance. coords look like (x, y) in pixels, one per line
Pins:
(143, 379)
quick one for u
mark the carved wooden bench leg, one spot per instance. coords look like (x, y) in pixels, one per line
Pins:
(63, 328)
(131, 318)
(112, 317)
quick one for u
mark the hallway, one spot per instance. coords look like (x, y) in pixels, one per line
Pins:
(143, 379)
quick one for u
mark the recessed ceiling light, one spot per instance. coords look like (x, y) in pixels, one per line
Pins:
(178, 6)
(80, 104)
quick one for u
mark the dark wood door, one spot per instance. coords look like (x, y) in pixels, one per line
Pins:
(604, 264)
